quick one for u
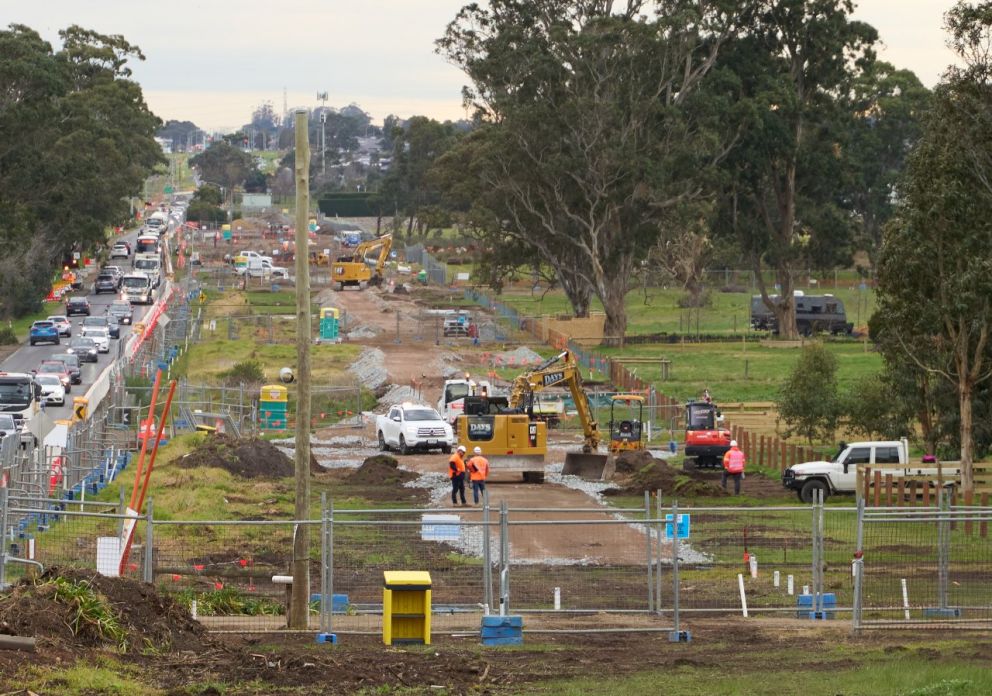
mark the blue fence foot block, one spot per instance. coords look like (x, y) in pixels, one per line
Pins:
(516, 640)
(679, 636)
(331, 638)
(941, 613)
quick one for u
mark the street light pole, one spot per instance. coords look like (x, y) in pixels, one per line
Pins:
(323, 143)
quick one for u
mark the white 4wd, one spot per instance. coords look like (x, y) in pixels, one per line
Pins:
(840, 475)
(408, 427)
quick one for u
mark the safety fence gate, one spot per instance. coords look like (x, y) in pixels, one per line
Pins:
(923, 567)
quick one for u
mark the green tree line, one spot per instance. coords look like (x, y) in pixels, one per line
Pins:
(78, 141)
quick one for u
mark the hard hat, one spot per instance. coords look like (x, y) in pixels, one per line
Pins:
(477, 450)
(461, 448)
(733, 443)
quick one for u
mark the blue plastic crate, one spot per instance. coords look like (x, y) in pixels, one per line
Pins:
(502, 630)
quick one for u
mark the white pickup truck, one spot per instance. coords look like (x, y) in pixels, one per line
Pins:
(408, 427)
(840, 475)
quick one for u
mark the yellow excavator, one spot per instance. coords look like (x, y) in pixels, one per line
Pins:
(354, 270)
(514, 439)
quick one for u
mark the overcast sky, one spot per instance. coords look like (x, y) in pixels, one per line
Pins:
(213, 62)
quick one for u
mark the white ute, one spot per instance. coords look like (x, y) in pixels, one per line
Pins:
(840, 475)
(408, 427)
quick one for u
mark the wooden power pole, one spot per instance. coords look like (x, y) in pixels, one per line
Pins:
(300, 611)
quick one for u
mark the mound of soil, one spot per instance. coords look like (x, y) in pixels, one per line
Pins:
(380, 469)
(247, 457)
(629, 462)
(642, 472)
(149, 620)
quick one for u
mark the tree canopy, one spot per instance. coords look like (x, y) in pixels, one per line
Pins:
(84, 143)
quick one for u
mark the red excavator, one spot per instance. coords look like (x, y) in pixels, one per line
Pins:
(705, 441)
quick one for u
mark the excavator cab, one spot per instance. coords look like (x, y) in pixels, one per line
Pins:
(627, 423)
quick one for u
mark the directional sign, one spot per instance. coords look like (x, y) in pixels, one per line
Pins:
(80, 406)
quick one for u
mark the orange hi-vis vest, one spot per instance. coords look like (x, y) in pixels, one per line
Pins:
(456, 465)
(478, 468)
(733, 461)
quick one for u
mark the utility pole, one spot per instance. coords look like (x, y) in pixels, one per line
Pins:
(300, 610)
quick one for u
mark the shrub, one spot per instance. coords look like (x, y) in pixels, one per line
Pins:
(247, 371)
(7, 336)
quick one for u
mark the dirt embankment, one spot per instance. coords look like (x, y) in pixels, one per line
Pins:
(247, 457)
(78, 609)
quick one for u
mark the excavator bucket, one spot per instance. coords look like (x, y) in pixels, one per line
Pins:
(587, 466)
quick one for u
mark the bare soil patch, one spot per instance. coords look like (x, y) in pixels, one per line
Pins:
(639, 471)
(246, 457)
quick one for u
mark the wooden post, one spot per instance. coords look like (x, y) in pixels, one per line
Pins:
(888, 490)
(900, 492)
(878, 486)
(792, 455)
(783, 464)
(300, 607)
(926, 494)
(912, 493)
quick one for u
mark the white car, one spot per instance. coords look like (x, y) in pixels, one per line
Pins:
(100, 336)
(408, 427)
(63, 324)
(52, 391)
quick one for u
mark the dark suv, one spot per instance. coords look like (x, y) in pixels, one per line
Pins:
(77, 305)
(105, 282)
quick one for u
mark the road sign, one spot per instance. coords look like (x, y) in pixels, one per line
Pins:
(80, 406)
(169, 189)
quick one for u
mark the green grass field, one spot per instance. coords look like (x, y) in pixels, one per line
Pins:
(657, 310)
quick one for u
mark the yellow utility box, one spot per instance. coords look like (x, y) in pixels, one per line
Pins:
(406, 607)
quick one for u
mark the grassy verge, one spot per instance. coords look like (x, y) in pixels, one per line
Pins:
(22, 326)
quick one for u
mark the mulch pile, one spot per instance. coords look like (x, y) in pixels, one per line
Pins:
(247, 457)
(380, 469)
(637, 472)
(149, 620)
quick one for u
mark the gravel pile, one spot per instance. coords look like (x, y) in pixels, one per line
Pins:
(370, 368)
(363, 332)
(399, 393)
(519, 356)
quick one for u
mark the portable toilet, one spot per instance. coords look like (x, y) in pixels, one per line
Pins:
(329, 323)
(272, 402)
(226, 232)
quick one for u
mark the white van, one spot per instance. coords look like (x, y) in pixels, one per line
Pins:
(136, 288)
(150, 265)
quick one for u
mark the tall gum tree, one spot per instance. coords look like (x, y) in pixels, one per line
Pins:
(795, 62)
(935, 282)
(593, 102)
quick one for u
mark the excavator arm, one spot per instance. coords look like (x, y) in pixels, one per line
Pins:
(557, 370)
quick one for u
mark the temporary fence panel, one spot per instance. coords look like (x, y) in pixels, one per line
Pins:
(919, 567)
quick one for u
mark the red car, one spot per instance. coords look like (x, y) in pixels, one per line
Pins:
(57, 368)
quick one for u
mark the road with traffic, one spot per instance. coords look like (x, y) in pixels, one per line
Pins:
(28, 357)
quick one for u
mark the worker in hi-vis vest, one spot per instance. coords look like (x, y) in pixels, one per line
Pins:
(733, 465)
(456, 472)
(478, 472)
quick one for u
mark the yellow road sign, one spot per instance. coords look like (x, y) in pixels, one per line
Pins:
(80, 406)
